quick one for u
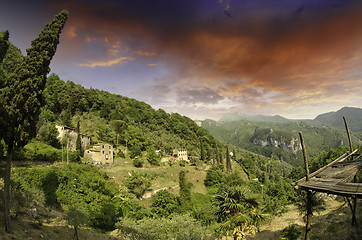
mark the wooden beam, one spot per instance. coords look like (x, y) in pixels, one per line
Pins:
(308, 225)
(348, 135)
(340, 159)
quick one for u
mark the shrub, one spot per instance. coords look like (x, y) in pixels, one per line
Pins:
(138, 184)
(214, 176)
(179, 227)
(138, 162)
(291, 233)
(164, 203)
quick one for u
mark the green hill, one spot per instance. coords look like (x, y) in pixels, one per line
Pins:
(255, 118)
(335, 119)
(242, 134)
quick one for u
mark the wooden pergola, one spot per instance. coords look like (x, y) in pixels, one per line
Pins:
(334, 178)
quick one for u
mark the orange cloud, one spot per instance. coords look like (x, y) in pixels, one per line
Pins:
(106, 63)
(255, 58)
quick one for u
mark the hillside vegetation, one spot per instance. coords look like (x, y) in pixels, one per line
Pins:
(242, 133)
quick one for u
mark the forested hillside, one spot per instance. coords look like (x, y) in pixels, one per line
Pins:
(242, 133)
(104, 116)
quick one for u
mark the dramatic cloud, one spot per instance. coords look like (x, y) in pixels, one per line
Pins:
(106, 63)
(295, 58)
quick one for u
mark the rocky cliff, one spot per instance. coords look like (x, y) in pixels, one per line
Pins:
(268, 137)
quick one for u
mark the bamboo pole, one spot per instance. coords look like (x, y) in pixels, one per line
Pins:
(309, 192)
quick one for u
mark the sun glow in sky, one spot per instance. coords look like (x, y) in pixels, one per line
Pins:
(206, 58)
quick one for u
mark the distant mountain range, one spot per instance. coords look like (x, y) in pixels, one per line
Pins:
(330, 119)
(277, 137)
(232, 117)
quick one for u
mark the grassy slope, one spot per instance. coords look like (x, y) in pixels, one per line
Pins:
(164, 175)
(52, 227)
(334, 223)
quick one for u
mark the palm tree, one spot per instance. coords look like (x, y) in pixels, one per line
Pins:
(237, 208)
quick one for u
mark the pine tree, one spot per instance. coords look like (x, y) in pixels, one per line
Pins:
(22, 97)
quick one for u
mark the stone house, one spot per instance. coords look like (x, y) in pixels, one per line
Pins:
(100, 153)
(180, 154)
(69, 136)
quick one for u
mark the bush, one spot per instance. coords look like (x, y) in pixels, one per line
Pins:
(291, 233)
(164, 203)
(138, 184)
(84, 186)
(214, 176)
(153, 158)
(138, 162)
(181, 227)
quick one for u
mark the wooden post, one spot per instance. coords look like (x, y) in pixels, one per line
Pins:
(354, 199)
(309, 193)
(348, 135)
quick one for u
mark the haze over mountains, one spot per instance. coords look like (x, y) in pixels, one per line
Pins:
(330, 119)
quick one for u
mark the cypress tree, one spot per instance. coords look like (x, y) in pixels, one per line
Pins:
(208, 154)
(185, 191)
(228, 161)
(22, 97)
(79, 141)
(4, 45)
(217, 155)
(202, 158)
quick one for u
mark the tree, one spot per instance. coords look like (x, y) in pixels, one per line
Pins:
(164, 203)
(4, 45)
(185, 190)
(138, 184)
(22, 96)
(76, 216)
(228, 162)
(237, 209)
(79, 146)
(152, 157)
(217, 155)
(202, 154)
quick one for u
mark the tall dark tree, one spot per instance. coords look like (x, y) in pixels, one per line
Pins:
(22, 97)
(228, 161)
(208, 154)
(79, 146)
(217, 155)
(4, 45)
(185, 191)
(202, 154)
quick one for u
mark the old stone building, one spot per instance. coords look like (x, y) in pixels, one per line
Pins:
(180, 154)
(100, 153)
(68, 137)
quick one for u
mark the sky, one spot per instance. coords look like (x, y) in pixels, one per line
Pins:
(206, 58)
